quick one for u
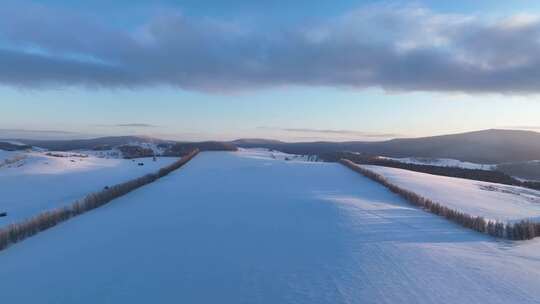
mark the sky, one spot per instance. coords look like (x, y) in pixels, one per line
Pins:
(290, 70)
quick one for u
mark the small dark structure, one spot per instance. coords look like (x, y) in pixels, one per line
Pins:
(140, 164)
(3, 214)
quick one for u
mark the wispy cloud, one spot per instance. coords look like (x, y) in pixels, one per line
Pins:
(38, 131)
(42, 134)
(136, 125)
(391, 47)
(126, 125)
(335, 132)
(342, 132)
(533, 128)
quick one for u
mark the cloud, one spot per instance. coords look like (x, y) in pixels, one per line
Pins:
(390, 47)
(126, 125)
(41, 134)
(342, 132)
(136, 125)
(38, 131)
(335, 132)
(532, 128)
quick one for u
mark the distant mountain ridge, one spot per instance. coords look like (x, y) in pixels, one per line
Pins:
(492, 146)
(8, 146)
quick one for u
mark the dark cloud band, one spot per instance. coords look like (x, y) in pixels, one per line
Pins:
(403, 49)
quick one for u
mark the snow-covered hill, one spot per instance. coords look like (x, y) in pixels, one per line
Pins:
(129, 150)
(492, 201)
(7, 158)
(233, 228)
(263, 153)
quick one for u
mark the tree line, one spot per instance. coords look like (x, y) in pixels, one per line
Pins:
(523, 230)
(17, 232)
(491, 176)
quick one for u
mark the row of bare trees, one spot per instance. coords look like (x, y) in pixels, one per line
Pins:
(19, 231)
(523, 230)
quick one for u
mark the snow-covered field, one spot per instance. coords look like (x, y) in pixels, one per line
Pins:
(32, 182)
(233, 228)
(489, 200)
(441, 162)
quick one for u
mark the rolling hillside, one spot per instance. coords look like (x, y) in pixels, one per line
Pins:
(485, 147)
(482, 147)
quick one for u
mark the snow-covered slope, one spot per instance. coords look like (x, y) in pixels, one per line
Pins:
(115, 152)
(31, 182)
(263, 153)
(9, 157)
(441, 162)
(232, 228)
(489, 200)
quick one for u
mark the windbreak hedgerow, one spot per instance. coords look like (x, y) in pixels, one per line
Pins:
(19, 231)
(523, 230)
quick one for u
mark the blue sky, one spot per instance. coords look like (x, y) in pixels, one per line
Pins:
(290, 70)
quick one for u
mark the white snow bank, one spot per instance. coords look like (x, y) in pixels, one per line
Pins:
(489, 200)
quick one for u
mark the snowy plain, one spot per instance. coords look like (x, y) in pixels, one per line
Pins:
(32, 182)
(490, 200)
(238, 227)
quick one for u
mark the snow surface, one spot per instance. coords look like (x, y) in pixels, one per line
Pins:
(441, 162)
(109, 153)
(489, 200)
(7, 157)
(36, 181)
(233, 228)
